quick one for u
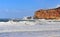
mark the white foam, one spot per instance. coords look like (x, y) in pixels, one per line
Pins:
(17, 26)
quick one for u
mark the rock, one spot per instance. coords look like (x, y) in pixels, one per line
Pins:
(48, 14)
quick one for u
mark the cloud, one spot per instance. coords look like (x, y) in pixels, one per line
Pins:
(57, 6)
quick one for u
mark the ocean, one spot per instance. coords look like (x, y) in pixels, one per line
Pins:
(32, 31)
(11, 29)
(32, 34)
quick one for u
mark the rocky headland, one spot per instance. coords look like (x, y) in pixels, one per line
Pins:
(47, 14)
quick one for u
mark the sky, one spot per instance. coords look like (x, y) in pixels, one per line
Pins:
(22, 8)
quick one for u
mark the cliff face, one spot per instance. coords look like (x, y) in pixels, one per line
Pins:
(48, 14)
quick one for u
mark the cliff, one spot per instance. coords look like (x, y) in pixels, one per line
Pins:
(48, 14)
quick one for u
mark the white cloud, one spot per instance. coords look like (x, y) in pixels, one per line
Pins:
(57, 6)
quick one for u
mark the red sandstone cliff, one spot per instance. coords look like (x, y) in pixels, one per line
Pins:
(48, 14)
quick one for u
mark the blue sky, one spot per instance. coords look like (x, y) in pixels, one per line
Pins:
(21, 8)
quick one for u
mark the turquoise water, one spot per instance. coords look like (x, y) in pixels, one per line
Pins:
(31, 34)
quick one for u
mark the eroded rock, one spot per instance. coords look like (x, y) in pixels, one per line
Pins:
(48, 14)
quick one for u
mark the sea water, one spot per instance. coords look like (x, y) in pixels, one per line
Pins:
(32, 30)
(32, 34)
